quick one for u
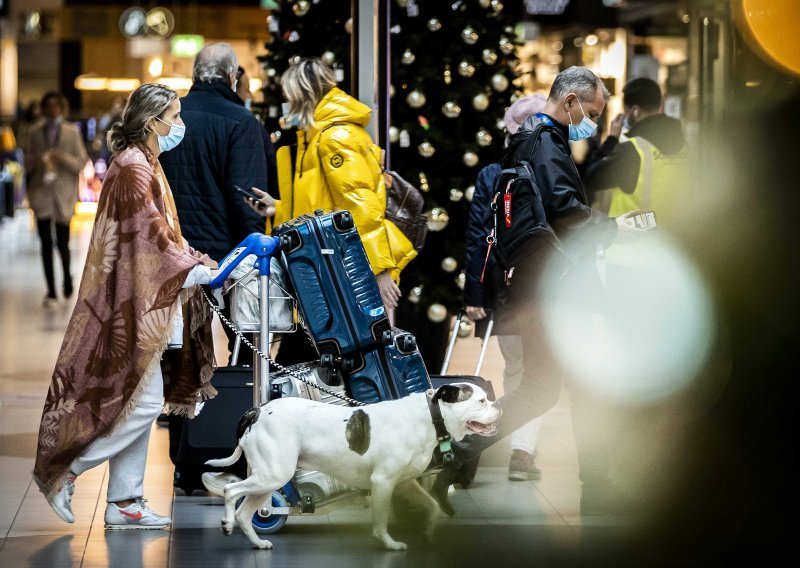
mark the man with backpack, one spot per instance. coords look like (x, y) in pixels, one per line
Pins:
(576, 99)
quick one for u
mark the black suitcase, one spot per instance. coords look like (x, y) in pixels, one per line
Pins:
(388, 372)
(212, 433)
(336, 291)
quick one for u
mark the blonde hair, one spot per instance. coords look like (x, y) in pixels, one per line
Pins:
(144, 104)
(304, 85)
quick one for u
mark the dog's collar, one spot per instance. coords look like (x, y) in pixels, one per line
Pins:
(442, 435)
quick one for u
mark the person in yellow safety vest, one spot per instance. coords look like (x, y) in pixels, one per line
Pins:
(647, 171)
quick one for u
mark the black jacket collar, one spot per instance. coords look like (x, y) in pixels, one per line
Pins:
(219, 87)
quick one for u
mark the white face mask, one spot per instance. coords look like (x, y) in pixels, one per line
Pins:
(173, 137)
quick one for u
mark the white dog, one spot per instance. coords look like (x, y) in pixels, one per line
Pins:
(377, 447)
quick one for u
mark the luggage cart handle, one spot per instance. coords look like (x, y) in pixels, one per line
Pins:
(259, 244)
(454, 336)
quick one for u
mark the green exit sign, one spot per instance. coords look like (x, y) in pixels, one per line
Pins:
(186, 45)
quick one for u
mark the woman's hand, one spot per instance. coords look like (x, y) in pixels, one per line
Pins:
(264, 206)
(390, 293)
(475, 313)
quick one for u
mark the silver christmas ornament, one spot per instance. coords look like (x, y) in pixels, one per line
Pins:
(394, 134)
(506, 46)
(293, 37)
(437, 313)
(465, 328)
(396, 29)
(469, 36)
(449, 264)
(483, 138)
(469, 192)
(489, 56)
(328, 58)
(499, 82)
(405, 139)
(437, 219)
(415, 294)
(470, 159)
(426, 149)
(294, 60)
(500, 124)
(301, 7)
(456, 194)
(275, 136)
(434, 25)
(451, 109)
(480, 102)
(466, 69)
(408, 57)
(415, 99)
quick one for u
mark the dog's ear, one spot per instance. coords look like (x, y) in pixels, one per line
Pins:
(447, 393)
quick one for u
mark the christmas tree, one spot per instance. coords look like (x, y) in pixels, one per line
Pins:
(452, 79)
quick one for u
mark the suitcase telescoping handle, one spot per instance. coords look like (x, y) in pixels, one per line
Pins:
(454, 336)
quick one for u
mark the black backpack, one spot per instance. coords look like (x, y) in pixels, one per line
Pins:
(520, 239)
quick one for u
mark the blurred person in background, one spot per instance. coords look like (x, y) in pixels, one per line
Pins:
(243, 90)
(54, 158)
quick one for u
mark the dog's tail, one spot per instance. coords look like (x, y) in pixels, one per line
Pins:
(247, 420)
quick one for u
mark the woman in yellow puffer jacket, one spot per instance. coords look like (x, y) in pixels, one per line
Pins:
(339, 167)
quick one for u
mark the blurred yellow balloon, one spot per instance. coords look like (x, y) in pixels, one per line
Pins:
(770, 29)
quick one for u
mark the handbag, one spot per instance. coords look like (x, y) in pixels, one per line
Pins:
(243, 287)
(404, 204)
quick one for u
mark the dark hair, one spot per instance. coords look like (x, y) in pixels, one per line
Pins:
(62, 101)
(642, 92)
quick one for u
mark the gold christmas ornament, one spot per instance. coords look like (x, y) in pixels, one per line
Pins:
(466, 69)
(449, 264)
(408, 57)
(461, 280)
(301, 7)
(415, 294)
(465, 328)
(456, 194)
(394, 134)
(497, 6)
(437, 219)
(480, 102)
(328, 58)
(499, 82)
(423, 182)
(485, 3)
(415, 99)
(434, 25)
(506, 46)
(426, 149)
(483, 138)
(470, 159)
(469, 36)
(348, 25)
(448, 75)
(489, 56)
(451, 109)
(469, 192)
(275, 136)
(437, 313)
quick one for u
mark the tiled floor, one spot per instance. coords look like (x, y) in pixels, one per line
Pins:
(498, 523)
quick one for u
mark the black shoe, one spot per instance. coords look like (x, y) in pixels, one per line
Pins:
(68, 287)
(447, 477)
(606, 499)
(522, 468)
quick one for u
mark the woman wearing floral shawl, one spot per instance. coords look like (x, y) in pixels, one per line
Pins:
(139, 281)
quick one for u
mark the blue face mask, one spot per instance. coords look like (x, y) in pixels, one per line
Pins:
(173, 137)
(291, 120)
(584, 129)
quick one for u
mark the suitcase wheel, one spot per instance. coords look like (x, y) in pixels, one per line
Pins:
(266, 523)
(343, 221)
(327, 360)
(348, 365)
(291, 241)
(407, 343)
(386, 337)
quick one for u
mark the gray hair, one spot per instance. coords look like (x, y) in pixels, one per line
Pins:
(144, 104)
(215, 62)
(578, 80)
(304, 85)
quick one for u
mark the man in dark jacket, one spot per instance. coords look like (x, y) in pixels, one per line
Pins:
(646, 171)
(577, 98)
(223, 147)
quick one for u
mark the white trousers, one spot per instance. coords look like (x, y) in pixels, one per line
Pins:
(525, 437)
(125, 449)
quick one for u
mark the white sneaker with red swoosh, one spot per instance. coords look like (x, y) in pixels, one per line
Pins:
(137, 515)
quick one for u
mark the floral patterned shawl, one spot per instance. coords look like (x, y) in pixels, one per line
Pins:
(135, 268)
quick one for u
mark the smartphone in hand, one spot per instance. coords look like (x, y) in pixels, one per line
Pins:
(246, 193)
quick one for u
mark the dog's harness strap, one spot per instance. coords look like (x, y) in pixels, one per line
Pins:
(442, 435)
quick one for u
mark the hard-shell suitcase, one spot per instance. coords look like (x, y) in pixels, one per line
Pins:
(212, 433)
(389, 371)
(337, 293)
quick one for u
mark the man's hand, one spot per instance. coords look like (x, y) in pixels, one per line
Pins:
(615, 128)
(627, 232)
(390, 293)
(475, 313)
(264, 206)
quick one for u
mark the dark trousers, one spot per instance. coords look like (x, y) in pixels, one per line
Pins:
(45, 229)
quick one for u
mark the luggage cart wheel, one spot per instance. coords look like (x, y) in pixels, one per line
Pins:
(266, 523)
(387, 338)
(327, 360)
